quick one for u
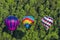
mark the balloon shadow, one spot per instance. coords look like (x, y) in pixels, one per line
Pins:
(18, 34)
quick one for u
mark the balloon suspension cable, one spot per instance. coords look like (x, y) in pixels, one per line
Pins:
(11, 32)
(11, 35)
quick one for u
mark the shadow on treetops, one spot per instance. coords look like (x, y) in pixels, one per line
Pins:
(18, 34)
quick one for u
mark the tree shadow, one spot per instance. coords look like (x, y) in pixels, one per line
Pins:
(18, 34)
(5, 29)
(52, 38)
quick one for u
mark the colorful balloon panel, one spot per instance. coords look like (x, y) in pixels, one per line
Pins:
(12, 22)
(28, 19)
(47, 22)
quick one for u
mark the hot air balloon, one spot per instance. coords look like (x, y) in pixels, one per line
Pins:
(27, 21)
(12, 22)
(47, 21)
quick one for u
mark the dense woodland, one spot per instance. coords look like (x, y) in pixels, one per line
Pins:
(36, 8)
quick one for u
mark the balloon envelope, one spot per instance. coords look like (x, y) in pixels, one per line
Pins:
(27, 21)
(12, 22)
(47, 22)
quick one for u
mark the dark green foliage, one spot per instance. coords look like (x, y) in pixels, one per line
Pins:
(36, 8)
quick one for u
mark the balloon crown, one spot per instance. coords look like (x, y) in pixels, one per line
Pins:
(12, 17)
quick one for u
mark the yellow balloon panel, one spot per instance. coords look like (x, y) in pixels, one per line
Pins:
(27, 21)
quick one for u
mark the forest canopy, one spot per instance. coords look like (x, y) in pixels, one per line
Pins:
(36, 8)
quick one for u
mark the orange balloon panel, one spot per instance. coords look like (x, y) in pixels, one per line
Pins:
(27, 21)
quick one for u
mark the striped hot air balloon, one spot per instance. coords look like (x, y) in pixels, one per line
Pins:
(12, 22)
(47, 21)
(27, 21)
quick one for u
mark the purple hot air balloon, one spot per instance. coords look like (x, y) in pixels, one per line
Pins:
(12, 22)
